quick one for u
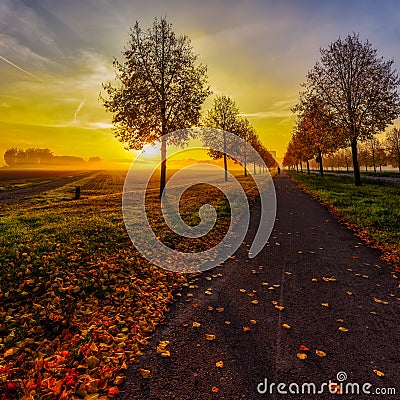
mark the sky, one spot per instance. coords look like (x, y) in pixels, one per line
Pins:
(55, 55)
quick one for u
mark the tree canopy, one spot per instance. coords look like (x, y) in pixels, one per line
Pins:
(356, 89)
(159, 89)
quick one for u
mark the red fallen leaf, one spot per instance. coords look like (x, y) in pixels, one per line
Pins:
(355, 256)
(11, 386)
(304, 348)
(113, 391)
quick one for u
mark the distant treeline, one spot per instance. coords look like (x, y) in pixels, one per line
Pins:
(40, 157)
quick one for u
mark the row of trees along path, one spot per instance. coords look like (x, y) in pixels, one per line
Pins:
(350, 95)
(161, 90)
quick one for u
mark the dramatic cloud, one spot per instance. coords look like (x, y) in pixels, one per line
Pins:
(55, 55)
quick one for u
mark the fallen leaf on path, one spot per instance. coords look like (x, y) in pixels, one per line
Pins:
(253, 321)
(320, 353)
(379, 373)
(215, 389)
(227, 322)
(208, 292)
(144, 372)
(242, 290)
(334, 389)
(330, 279)
(288, 273)
(208, 278)
(196, 324)
(210, 308)
(280, 308)
(373, 312)
(250, 294)
(276, 286)
(254, 301)
(302, 356)
(210, 337)
(304, 348)
(246, 329)
(325, 304)
(314, 280)
(264, 283)
(380, 301)
(220, 309)
(165, 354)
(343, 329)
(274, 302)
(349, 293)
(219, 364)
(286, 326)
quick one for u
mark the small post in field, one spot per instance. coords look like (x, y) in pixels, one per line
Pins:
(77, 192)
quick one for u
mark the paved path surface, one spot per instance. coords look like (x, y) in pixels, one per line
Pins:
(307, 244)
(9, 196)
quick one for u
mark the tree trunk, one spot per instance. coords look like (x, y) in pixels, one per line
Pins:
(245, 163)
(254, 167)
(308, 168)
(163, 164)
(373, 161)
(356, 167)
(297, 167)
(301, 167)
(380, 167)
(347, 164)
(321, 168)
(225, 161)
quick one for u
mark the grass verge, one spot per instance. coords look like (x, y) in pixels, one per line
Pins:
(371, 210)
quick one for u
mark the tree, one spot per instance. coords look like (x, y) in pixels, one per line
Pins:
(392, 144)
(246, 132)
(357, 88)
(159, 89)
(11, 156)
(316, 133)
(223, 115)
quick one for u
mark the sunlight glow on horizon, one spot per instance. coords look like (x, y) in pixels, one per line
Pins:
(257, 52)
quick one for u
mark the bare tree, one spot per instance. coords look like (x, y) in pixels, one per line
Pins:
(159, 88)
(392, 144)
(357, 88)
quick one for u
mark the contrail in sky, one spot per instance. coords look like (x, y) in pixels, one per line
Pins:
(21, 69)
(79, 108)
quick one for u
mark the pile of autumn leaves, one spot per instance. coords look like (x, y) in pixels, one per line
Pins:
(77, 334)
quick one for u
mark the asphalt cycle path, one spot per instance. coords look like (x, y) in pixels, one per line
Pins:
(315, 290)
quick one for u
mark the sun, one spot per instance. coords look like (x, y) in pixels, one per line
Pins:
(151, 151)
